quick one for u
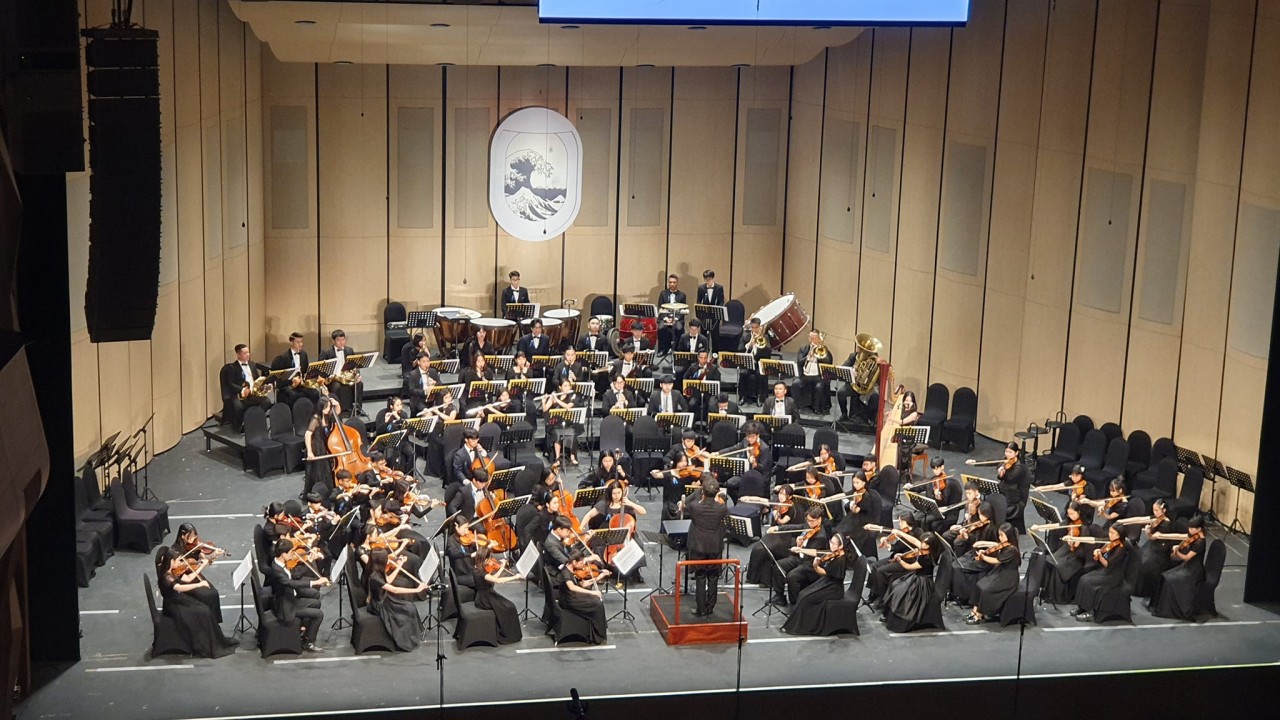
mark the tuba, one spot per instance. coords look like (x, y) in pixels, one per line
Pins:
(866, 369)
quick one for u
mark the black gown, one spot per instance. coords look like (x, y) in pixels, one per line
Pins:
(195, 621)
(488, 598)
(1101, 590)
(806, 616)
(999, 583)
(1060, 580)
(587, 607)
(1177, 591)
(398, 613)
(1155, 558)
(967, 570)
(319, 472)
(907, 601)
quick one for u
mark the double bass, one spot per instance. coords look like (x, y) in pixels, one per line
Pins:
(344, 443)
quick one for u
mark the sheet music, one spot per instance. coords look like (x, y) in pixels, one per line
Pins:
(242, 571)
(338, 565)
(528, 559)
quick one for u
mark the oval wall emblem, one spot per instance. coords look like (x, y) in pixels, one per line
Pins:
(535, 174)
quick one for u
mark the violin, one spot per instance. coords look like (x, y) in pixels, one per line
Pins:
(913, 554)
(993, 549)
(1106, 549)
(824, 559)
(814, 490)
(589, 572)
(1186, 544)
(469, 538)
(978, 524)
(204, 548)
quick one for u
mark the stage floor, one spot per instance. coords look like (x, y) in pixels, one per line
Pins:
(117, 679)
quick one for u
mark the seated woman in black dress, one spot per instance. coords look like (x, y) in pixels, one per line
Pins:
(907, 601)
(1001, 580)
(477, 371)
(1114, 506)
(1099, 592)
(392, 602)
(776, 542)
(609, 470)
(806, 614)
(1069, 558)
(1178, 585)
(489, 572)
(195, 621)
(863, 508)
(963, 575)
(580, 596)
(607, 514)
(188, 546)
(562, 432)
(1156, 555)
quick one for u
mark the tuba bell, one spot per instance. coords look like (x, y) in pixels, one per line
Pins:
(866, 369)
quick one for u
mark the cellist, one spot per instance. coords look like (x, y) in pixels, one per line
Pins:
(616, 510)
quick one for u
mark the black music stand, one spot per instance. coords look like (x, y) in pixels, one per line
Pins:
(706, 390)
(1242, 481)
(644, 358)
(1049, 513)
(505, 478)
(986, 486)
(735, 420)
(520, 311)
(543, 363)
(784, 369)
(771, 605)
(588, 497)
(830, 372)
(736, 360)
(482, 390)
(445, 366)
(516, 433)
(640, 385)
(923, 504)
(527, 386)
(731, 466)
(1188, 459)
(667, 421)
(773, 422)
(628, 415)
(662, 541)
(500, 363)
(623, 571)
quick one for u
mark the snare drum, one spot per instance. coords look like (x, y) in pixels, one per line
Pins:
(649, 324)
(782, 319)
(551, 327)
(502, 332)
(569, 327)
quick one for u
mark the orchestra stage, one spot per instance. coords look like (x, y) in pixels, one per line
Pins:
(116, 679)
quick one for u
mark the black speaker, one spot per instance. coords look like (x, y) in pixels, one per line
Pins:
(124, 183)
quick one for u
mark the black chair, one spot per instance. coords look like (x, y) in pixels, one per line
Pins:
(1112, 466)
(88, 559)
(1020, 607)
(96, 505)
(260, 452)
(723, 435)
(526, 480)
(830, 438)
(137, 530)
(959, 428)
(1111, 430)
(274, 635)
(1165, 484)
(1139, 454)
(367, 631)
(394, 338)
(841, 616)
(563, 627)
(648, 444)
(613, 435)
(1000, 509)
(937, 400)
(303, 410)
(1214, 558)
(602, 305)
(1083, 423)
(932, 617)
(97, 529)
(1091, 453)
(475, 626)
(450, 440)
(1065, 452)
(490, 437)
(166, 638)
(887, 480)
(281, 417)
(1161, 449)
(729, 334)
(262, 550)
(136, 502)
(1187, 503)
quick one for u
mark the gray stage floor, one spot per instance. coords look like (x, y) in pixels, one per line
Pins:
(117, 679)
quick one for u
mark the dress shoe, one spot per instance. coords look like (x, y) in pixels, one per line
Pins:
(973, 620)
(311, 647)
(1084, 617)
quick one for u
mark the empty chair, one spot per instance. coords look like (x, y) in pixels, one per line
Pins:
(1020, 606)
(95, 504)
(166, 638)
(1111, 430)
(97, 529)
(1165, 484)
(136, 502)
(1187, 503)
(1214, 557)
(137, 530)
(1139, 454)
(959, 428)
(1112, 466)
(1161, 449)
(490, 435)
(613, 435)
(303, 409)
(274, 635)
(1065, 452)
(260, 452)
(723, 435)
(1083, 423)
(602, 305)
(1092, 451)
(281, 417)
(937, 400)
(729, 334)
(394, 338)
(841, 616)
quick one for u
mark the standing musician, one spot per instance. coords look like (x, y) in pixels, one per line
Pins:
(563, 433)
(315, 441)
(710, 292)
(666, 399)
(706, 542)
(349, 394)
(704, 370)
(296, 358)
(390, 419)
(619, 395)
(418, 383)
(810, 387)
(241, 388)
(535, 343)
(1015, 485)
(477, 345)
(672, 323)
(751, 383)
(294, 592)
(513, 293)
(813, 539)
(779, 405)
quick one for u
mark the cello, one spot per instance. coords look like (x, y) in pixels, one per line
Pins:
(502, 537)
(622, 519)
(566, 499)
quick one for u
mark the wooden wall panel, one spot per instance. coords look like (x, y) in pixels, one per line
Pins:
(216, 352)
(804, 153)
(642, 249)
(589, 249)
(190, 201)
(352, 129)
(255, 190)
(414, 269)
(166, 348)
(234, 184)
(755, 271)
(470, 252)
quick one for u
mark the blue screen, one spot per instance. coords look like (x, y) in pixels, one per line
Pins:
(759, 12)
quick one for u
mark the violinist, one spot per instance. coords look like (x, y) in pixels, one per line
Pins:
(459, 546)
(181, 583)
(666, 399)
(1069, 556)
(1096, 592)
(828, 584)
(295, 594)
(965, 521)
(680, 475)
(315, 439)
(614, 511)
(609, 470)
(1115, 506)
(277, 522)
(323, 521)
(580, 595)
(942, 489)
(1015, 485)
(197, 555)
(863, 507)
(391, 419)
(961, 574)
(488, 572)
(391, 600)
(1175, 595)
(706, 542)
(561, 431)
(812, 539)
(533, 519)
(703, 370)
(1001, 579)
(1156, 554)
(871, 469)
(618, 395)
(898, 541)
(759, 456)
(908, 599)
(776, 542)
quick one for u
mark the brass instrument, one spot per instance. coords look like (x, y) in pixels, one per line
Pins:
(760, 342)
(820, 351)
(348, 377)
(259, 388)
(866, 369)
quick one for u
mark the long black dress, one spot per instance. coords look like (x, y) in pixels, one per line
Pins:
(1155, 558)
(398, 613)
(1101, 591)
(968, 570)
(487, 598)
(195, 621)
(319, 472)
(999, 583)
(907, 601)
(1174, 598)
(1060, 580)
(806, 618)
(587, 607)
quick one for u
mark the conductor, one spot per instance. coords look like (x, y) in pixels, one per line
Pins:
(706, 541)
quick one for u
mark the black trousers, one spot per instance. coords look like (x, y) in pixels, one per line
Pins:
(801, 577)
(706, 582)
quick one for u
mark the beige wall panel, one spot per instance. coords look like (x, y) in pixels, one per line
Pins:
(1226, 80)
(189, 197)
(542, 265)
(1040, 370)
(755, 275)
(918, 221)
(1261, 173)
(589, 251)
(804, 148)
(1067, 74)
(1002, 338)
(1151, 382)
(703, 141)
(114, 394)
(166, 371)
(234, 162)
(642, 249)
(255, 207)
(216, 354)
(470, 252)
(86, 422)
(414, 273)
(291, 300)
(139, 402)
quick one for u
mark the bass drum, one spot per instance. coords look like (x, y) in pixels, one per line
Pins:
(782, 320)
(453, 327)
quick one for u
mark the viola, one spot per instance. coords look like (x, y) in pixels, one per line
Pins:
(1186, 544)
(913, 554)
(993, 549)
(1106, 549)
(814, 490)
(824, 559)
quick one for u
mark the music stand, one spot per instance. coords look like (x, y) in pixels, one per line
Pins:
(1242, 481)
(986, 486)
(915, 434)
(520, 311)
(1049, 513)
(515, 433)
(423, 425)
(772, 421)
(359, 362)
(531, 385)
(389, 440)
(740, 527)
(588, 497)
(501, 363)
(472, 423)
(509, 507)
(625, 560)
(1213, 471)
(661, 540)
(596, 362)
(732, 466)
(644, 310)
(640, 385)
(924, 504)
(681, 358)
(666, 421)
(628, 415)
(543, 362)
(437, 391)
(771, 605)
(830, 372)
(781, 368)
(808, 503)
(503, 479)
(421, 319)
(644, 358)
(735, 420)
(736, 360)
(321, 369)
(445, 367)
(483, 389)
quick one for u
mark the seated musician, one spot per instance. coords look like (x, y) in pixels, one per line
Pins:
(460, 546)
(637, 342)
(725, 406)
(942, 489)
(706, 371)
(569, 368)
(196, 553)
(870, 468)
(389, 420)
(183, 589)
(350, 394)
(520, 368)
(968, 569)
(611, 469)
(758, 454)
(863, 508)
(810, 388)
(680, 471)
(295, 358)
(962, 522)
(751, 384)
(777, 540)
(666, 399)
(882, 573)
(780, 405)
(626, 366)
(418, 383)
(513, 294)
(672, 324)
(563, 432)
(535, 343)
(477, 345)
(594, 340)
(811, 584)
(464, 458)
(237, 380)
(602, 516)
(694, 341)
(619, 395)
(581, 596)
(295, 594)
(477, 371)
(410, 352)
(502, 404)
(854, 406)
(1115, 506)
(812, 540)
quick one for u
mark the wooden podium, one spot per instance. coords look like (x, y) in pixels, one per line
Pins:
(673, 614)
